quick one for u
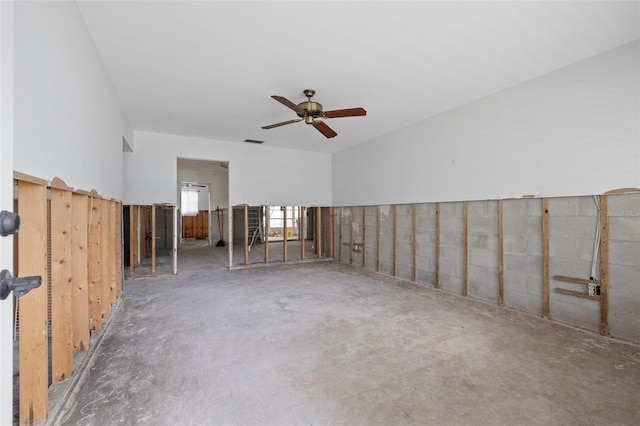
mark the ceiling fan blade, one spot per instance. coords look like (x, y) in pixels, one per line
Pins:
(271, 126)
(286, 102)
(324, 129)
(349, 112)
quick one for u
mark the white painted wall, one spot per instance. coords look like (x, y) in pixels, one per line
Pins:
(571, 132)
(6, 203)
(219, 181)
(258, 174)
(68, 120)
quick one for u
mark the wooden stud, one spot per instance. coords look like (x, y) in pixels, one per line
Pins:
(350, 235)
(500, 252)
(32, 260)
(395, 241)
(577, 294)
(153, 241)
(414, 244)
(437, 245)
(118, 264)
(319, 230)
(174, 245)
(545, 258)
(114, 245)
(465, 278)
(340, 219)
(604, 266)
(95, 270)
(80, 277)
(284, 235)
(245, 211)
(133, 237)
(378, 239)
(61, 288)
(267, 217)
(331, 248)
(575, 280)
(364, 236)
(105, 258)
(301, 232)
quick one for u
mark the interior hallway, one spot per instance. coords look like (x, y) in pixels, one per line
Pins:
(323, 343)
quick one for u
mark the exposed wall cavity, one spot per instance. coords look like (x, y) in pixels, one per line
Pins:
(575, 260)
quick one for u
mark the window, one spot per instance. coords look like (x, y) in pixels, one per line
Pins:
(189, 202)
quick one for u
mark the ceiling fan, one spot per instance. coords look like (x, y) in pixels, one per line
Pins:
(310, 111)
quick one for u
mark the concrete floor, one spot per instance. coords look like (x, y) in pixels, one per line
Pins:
(323, 343)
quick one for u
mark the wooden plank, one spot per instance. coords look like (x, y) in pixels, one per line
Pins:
(153, 241)
(301, 231)
(577, 294)
(267, 217)
(350, 235)
(395, 241)
(575, 280)
(32, 260)
(95, 270)
(414, 244)
(465, 273)
(437, 245)
(364, 236)
(80, 277)
(118, 247)
(61, 288)
(114, 245)
(340, 219)
(545, 258)
(378, 239)
(245, 212)
(604, 265)
(331, 248)
(105, 259)
(174, 245)
(284, 235)
(500, 252)
(23, 177)
(319, 229)
(133, 238)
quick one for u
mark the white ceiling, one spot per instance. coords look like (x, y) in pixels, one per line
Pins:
(208, 68)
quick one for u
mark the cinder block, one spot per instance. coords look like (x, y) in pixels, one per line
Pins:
(514, 208)
(528, 264)
(479, 241)
(580, 227)
(426, 276)
(564, 206)
(425, 223)
(569, 267)
(586, 206)
(487, 258)
(624, 303)
(561, 309)
(563, 247)
(523, 302)
(447, 268)
(534, 284)
(515, 280)
(534, 207)
(624, 228)
(483, 225)
(624, 253)
(427, 250)
(625, 278)
(451, 283)
(451, 253)
(449, 238)
(515, 243)
(624, 327)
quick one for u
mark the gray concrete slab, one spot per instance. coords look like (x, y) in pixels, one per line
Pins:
(324, 343)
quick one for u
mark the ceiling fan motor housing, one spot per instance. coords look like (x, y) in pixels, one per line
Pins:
(311, 110)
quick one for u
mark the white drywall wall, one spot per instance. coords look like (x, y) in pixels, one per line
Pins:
(6, 203)
(570, 132)
(219, 181)
(68, 120)
(258, 174)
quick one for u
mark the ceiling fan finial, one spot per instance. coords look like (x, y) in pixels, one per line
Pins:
(309, 93)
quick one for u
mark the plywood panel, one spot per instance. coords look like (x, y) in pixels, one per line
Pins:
(61, 287)
(80, 277)
(118, 261)
(105, 258)
(32, 260)
(95, 270)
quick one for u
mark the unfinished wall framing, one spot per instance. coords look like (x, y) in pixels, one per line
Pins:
(274, 235)
(60, 240)
(575, 260)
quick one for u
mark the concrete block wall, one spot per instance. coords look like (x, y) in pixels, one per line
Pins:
(624, 266)
(573, 222)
